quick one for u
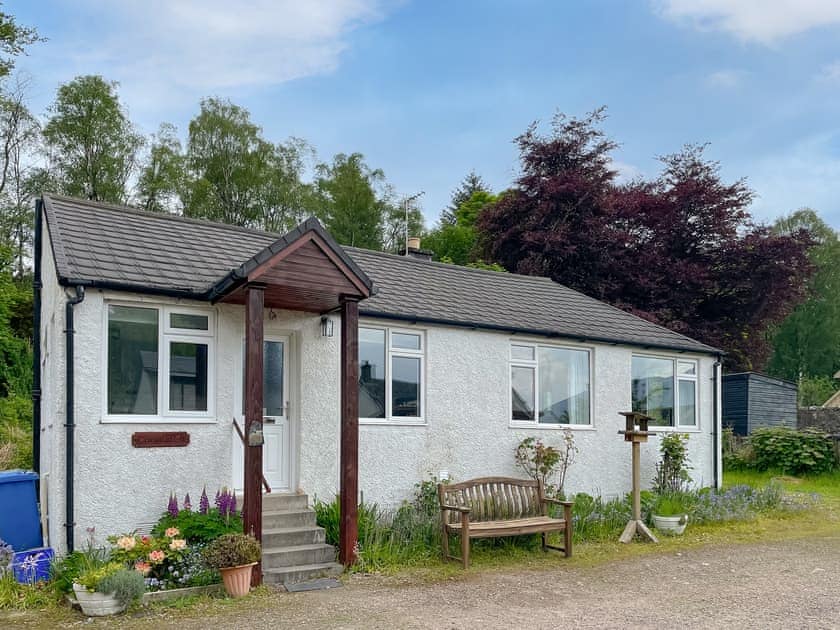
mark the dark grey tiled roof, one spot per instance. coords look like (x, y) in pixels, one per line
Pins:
(114, 246)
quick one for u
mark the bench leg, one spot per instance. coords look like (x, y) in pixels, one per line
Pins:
(544, 541)
(465, 551)
(567, 539)
(444, 542)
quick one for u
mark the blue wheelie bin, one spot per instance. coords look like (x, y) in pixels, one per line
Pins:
(20, 525)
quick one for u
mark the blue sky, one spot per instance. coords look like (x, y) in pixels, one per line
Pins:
(430, 90)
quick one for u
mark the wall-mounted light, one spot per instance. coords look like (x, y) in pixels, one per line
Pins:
(326, 326)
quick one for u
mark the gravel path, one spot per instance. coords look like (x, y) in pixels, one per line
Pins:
(791, 584)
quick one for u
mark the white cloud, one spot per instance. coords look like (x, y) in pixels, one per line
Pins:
(626, 172)
(763, 21)
(830, 72)
(724, 78)
(166, 49)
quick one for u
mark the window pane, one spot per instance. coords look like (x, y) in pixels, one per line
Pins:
(564, 386)
(687, 368)
(522, 353)
(132, 360)
(405, 386)
(371, 373)
(273, 395)
(653, 389)
(188, 321)
(522, 392)
(187, 376)
(405, 341)
(688, 403)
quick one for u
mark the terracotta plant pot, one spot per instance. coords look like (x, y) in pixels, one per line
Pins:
(237, 579)
(97, 604)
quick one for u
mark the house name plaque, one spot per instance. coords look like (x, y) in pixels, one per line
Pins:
(157, 439)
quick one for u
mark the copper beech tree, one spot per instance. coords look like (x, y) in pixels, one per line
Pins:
(680, 250)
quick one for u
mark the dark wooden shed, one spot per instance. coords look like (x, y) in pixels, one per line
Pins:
(752, 401)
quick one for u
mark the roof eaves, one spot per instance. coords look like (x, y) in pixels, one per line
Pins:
(696, 347)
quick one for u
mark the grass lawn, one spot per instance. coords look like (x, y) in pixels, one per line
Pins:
(820, 518)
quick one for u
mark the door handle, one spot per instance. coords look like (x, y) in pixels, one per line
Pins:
(269, 421)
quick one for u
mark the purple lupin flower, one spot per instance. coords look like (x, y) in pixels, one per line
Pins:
(218, 500)
(224, 503)
(173, 505)
(187, 503)
(203, 502)
(232, 506)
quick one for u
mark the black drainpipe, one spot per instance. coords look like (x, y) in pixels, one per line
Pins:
(36, 348)
(70, 423)
(716, 416)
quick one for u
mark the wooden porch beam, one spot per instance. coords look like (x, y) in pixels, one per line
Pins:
(252, 510)
(349, 483)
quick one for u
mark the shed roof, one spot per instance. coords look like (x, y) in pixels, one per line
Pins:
(123, 248)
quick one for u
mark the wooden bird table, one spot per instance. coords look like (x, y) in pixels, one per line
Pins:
(636, 432)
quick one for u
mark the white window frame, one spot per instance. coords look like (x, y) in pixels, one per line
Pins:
(166, 335)
(693, 378)
(534, 363)
(390, 352)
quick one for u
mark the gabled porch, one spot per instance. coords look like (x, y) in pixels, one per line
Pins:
(302, 271)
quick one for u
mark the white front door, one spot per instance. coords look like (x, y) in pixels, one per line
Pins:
(276, 429)
(277, 449)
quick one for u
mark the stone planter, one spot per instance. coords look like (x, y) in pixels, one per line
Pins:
(237, 580)
(96, 604)
(671, 524)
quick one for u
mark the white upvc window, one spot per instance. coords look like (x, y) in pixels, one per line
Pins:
(391, 375)
(159, 363)
(550, 385)
(665, 388)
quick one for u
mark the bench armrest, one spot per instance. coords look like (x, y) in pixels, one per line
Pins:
(558, 502)
(455, 508)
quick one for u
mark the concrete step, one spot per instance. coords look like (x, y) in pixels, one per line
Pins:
(301, 573)
(284, 519)
(292, 536)
(278, 557)
(273, 502)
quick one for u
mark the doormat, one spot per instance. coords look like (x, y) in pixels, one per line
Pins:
(312, 585)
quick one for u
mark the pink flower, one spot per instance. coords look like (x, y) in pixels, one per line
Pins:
(171, 532)
(126, 543)
(177, 544)
(142, 567)
(157, 556)
(145, 540)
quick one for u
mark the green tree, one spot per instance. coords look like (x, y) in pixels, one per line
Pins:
(92, 144)
(14, 39)
(456, 242)
(815, 390)
(470, 185)
(163, 172)
(353, 209)
(394, 227)
(807, 342)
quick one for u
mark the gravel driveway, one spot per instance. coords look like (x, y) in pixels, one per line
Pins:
(790, 584)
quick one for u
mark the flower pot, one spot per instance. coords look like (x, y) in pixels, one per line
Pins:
(237, 580)
(96, 604)
(671, 524)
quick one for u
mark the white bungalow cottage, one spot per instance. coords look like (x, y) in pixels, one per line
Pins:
(368, 372)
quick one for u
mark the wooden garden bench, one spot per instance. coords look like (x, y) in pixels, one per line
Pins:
(491, 507)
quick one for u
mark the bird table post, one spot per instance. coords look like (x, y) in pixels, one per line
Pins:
(636, 432)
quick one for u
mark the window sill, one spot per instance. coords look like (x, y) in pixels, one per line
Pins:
(551, 427)
(675, 429)
(392, 423)
(157, 420)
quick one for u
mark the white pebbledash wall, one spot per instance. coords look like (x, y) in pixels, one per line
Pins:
(467, 431)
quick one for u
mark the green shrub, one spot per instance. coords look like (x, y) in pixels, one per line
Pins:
(673, 504)
(65, 571)
(93, 577)
(672, 468)
(127, 586)
(196, 527)
(738, 453)
(15, 432)
(793, 452)
(328, 516)
(231, 550)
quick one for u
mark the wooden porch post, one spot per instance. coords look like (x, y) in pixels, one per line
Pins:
(349, 485)
(252, 510)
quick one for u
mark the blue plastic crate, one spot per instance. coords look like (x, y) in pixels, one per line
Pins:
(32, 565)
